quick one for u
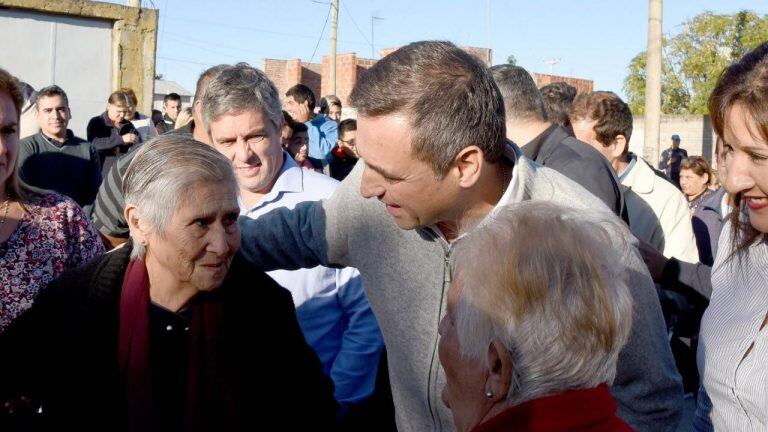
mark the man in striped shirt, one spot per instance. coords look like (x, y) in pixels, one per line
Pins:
(108, 211)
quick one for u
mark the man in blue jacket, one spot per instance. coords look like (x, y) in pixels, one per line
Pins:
(323, 132)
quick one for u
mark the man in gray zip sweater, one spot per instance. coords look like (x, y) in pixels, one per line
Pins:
(431, 137)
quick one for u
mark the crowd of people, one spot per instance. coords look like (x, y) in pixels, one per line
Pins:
(465, 252)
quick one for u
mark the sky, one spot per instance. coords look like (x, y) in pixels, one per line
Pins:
(592, 39)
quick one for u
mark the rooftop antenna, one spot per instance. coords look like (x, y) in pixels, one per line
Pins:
(552, 62)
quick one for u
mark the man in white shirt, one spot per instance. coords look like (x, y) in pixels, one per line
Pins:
(658, 211)
(242, 114)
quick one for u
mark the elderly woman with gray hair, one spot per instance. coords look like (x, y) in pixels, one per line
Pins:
(173, 331)
(535, 323)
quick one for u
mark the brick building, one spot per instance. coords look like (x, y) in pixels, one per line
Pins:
(287, 73)
(582, 85)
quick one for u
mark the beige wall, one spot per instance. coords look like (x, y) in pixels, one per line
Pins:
(134, 39)
(696, 135)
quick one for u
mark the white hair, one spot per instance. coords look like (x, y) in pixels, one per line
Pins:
(550, 283)
(164, 172)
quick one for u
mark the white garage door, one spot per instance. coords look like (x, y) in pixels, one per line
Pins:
(73, 53)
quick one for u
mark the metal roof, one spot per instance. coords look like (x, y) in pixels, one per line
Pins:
(164, 87)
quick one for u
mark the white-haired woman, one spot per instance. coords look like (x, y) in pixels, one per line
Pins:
(535, 322)
(173, 331)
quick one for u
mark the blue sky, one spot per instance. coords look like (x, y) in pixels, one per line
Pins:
(592, 39)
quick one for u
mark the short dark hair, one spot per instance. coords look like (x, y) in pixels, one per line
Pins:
(50, 91)
(612, 115)
(698, 165)
(207, 75)
(558, 98)
(326, 102)
(171, 97)
(346, 126)
(299, 127)
(131, 94)
(446, 93)
(288, 120)
(120, 98)
(522, 100)
(301, 94)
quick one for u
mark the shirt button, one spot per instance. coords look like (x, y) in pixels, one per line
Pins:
(169, 328)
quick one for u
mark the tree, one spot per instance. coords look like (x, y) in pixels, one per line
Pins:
(694, 60)
(512, 60)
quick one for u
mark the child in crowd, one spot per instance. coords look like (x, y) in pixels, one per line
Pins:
(345, 153)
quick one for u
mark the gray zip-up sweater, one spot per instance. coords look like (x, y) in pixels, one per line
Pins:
(407, 274)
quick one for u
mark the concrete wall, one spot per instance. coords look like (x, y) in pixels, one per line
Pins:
(696, 135)
(133, 40)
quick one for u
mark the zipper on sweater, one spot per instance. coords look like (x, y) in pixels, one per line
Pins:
(447, 274)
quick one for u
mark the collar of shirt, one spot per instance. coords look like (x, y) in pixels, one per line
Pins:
(289, 179)
(56, 143)
(632, 161)
(513, 193)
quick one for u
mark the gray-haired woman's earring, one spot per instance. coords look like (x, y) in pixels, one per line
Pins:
(489, 394)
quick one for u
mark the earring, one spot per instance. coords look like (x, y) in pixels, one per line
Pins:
(489, 394)
(143, 242)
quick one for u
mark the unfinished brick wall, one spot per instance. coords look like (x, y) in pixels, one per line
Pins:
(582, 85)
(287, 73)
(349, 67)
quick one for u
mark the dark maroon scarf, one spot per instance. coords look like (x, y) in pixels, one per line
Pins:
(209, 397)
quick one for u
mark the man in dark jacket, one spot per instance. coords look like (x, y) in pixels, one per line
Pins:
(551, 145)
(54, 158)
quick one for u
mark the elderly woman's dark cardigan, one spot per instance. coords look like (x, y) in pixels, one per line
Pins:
(63, 351)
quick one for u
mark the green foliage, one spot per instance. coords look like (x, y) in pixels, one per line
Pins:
(512, 60)
(694, 60)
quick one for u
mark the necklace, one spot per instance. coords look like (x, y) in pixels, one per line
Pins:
(5, 212)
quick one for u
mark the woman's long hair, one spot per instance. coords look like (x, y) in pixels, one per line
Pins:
(744, 83)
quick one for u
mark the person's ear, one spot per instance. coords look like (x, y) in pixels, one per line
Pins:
(499, 365)
(468, 164)
(618, 146)
(138, 227)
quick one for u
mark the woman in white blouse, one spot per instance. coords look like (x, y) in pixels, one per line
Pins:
(733, 348)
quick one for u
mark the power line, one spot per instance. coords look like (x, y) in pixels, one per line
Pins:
(258, 30)
(328, 15)
(353, 22)
(213, 44)
(190, 43)
(184, 61)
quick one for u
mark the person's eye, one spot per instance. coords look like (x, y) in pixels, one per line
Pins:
(202, 222)
(256, 139)
(230, 219)
(8, 130)
(757, 157)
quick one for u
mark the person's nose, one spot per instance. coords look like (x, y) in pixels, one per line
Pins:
(738, 177)
(243, 151)
(219, 242)
(370, 185)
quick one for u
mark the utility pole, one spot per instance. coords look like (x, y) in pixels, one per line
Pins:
(374, 18)
(334, 30)
(653, 83)
(552, 62)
